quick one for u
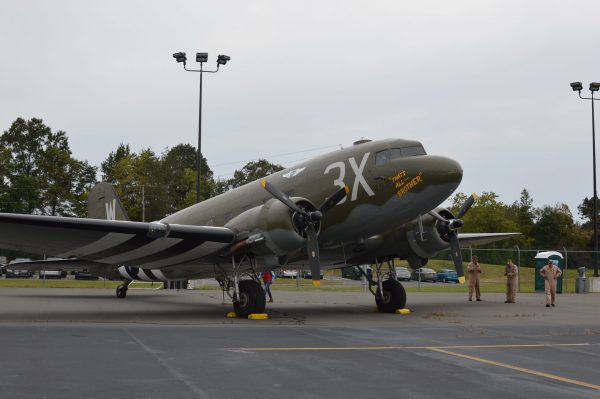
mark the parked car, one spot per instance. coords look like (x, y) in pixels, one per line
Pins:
(307, 274)
(48, 274)
(353, 273)
(402, 273)
(13, 271)
(84, 275)
(424, 274)
(287, 273)
(446, 275)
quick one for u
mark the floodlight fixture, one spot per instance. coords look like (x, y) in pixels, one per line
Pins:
(180, 57)
(222, 59)
(594, 86)
(201, 57)
(576, 86)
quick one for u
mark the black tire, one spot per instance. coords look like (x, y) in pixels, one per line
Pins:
(394, 297)
(121, 291)
(252, 299)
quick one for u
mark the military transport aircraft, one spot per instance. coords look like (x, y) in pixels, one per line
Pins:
(369, 203)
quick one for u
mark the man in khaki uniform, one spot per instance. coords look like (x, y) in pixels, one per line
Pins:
(474, 270)
(512, 281)
(551, 272)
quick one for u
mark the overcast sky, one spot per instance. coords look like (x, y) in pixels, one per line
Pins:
(483, 82)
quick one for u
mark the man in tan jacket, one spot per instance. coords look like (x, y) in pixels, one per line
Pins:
(551, 272)
(512, 281)
(474, 270)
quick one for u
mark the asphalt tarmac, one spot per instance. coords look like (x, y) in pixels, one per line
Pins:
(74, 343)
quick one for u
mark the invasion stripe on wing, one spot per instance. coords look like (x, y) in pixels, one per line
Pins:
(175, 250)
(132, 244)
(109, 240)
(153, 248)
(196, 253)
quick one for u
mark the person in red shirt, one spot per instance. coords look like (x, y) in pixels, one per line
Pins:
(267, 278)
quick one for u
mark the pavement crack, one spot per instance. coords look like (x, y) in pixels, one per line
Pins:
(156, 354)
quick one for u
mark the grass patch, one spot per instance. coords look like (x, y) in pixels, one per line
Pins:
(492, 280)
(35, 283)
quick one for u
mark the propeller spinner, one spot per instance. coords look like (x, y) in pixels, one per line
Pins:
(451, 227)
(306, 221)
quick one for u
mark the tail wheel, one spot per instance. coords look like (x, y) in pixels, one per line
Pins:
(251, 300)
(394, 297)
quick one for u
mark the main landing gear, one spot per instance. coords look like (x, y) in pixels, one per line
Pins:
(247, 295)
(390, 294)
(122, 289)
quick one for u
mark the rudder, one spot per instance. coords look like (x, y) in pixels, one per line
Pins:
(103, 203)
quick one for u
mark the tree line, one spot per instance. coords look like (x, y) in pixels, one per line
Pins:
(40, 175)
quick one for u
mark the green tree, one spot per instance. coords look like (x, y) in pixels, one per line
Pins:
(252, 171)
(524, 214)
(163, 184)
(486, 215)
(586, 211)
(555, 228)
(39, 174)
(110, 163)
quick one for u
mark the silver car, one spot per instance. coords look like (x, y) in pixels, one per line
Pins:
(402, 273)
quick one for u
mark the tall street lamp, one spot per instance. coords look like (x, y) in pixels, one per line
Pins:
(594, 87)
(201, 58)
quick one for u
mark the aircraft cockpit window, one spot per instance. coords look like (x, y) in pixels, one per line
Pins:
(385, 156)
(413, 151)
(382, 157)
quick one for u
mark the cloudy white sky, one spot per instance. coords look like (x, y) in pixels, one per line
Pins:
(483, 82)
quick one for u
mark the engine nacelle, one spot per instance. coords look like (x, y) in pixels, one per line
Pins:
(275, 222)
(427, 236)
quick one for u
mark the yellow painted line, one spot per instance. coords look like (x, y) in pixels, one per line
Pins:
(521, 369)
(375, 348)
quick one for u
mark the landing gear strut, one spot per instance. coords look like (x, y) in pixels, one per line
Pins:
(248, 296)
(390, 294)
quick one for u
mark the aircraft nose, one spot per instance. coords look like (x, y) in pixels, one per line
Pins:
(449, 170)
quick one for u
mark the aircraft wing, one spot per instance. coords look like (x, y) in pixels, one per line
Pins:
(483, 238)
(150, 245)
(52, 264)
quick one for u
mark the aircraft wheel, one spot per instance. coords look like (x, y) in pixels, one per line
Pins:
(394, 297)
(121, 291)
(252, 299)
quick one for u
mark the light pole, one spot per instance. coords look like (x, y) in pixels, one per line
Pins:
(594, 86)
(201, 58)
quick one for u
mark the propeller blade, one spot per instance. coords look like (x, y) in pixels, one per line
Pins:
(312, 245)
(334, 199)
(456, 257)
(281, 196)
(467, 205)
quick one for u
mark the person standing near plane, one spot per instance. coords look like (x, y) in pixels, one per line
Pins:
(512, 280)
(551, 272)
(267, 278)
(474, 270)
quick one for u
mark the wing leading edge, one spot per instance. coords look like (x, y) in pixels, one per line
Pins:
(151, 245)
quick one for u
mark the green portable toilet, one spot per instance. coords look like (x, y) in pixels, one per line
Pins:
(541, 260)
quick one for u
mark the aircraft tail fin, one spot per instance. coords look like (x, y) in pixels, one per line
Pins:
(103, 203)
